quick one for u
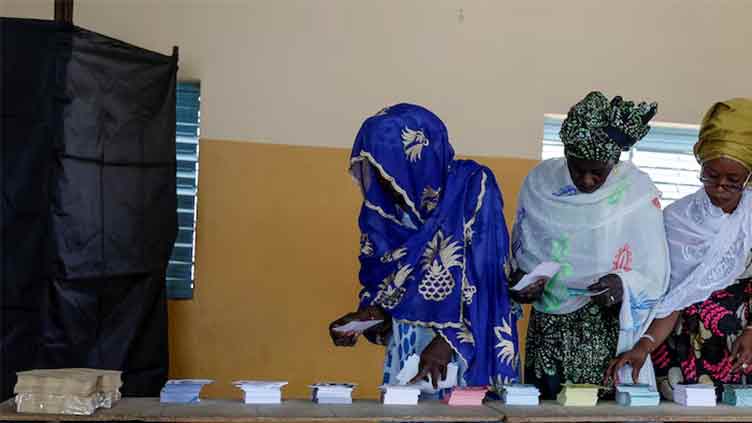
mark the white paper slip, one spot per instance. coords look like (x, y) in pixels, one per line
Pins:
(189, 382)
(333, 385)
(400, 394)
(410, 370)
(582, 283)
(545, 270)
(357, 326)
(260, 384)
(585, 292)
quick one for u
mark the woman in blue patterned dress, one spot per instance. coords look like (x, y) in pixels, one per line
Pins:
(433, 249)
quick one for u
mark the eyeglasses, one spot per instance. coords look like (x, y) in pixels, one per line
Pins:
(713, 181)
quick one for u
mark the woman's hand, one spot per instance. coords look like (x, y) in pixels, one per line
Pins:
(348, 339)
(379, 334)
(433, 361)
(741, 351)
(613, 290)
(635, 357)
(530, 293)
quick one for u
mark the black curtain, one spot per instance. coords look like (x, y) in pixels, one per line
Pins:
(88, 203)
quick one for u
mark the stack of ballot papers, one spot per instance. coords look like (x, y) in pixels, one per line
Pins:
(182, 391)
(66, 391)
(637, 395)
(519, 394)
(410, 370)
(578, 395)
(737, 395)
(699, 394)
(108, 386)
(466, 395)
(399, 394)
(261, 392)
(332, 393)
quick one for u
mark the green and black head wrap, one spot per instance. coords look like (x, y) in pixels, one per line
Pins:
(596, 129)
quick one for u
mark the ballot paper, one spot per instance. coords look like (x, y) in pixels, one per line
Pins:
(467, 395)
(261, 392)
(545, 270)
(737, 395)
(519, 394)
(695, 395)
(636, 395)
(182, 391)
(410, 370)
(66, 391)
(332, 393)
(400, 394)
(585, 292)
(357, 326)
(578, 395)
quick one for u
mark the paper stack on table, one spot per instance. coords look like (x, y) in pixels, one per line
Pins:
(332, 393)
(109, 383)
(410, 370)
(737, 395)
(261, 392)
(637, 395)
(699, 394)
(66, 391)
(578, 395)
(467, 395)
(182, 391)
(399, 394)
(519, 394)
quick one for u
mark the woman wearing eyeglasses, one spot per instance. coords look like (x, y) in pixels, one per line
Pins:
(702, 333)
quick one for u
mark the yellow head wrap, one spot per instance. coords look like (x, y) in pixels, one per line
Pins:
(726, 131)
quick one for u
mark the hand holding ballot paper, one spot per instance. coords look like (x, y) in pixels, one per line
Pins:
(357, 326)
(531, 286)
(371, 321)
(543, 271)
(606, 289)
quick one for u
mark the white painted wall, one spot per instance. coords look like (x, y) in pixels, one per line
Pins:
(307, 72)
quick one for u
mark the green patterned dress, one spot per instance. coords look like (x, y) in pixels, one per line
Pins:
(570, 348)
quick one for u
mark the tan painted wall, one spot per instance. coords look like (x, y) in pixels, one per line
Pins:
(277, 261)
(277, 238)
(306, 72)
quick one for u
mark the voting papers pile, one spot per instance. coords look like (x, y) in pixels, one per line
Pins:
(66, 391)
(261, 392)
(466, 395)
(737, 395)
(399, 394)
(182, 391)
(519, 394)
(695, 395)
(332, 393)
(636, 395)
(578, 395)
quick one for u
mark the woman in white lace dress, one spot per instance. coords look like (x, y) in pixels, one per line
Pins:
(701, 334)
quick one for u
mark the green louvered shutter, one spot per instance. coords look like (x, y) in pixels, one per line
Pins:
(180, 270)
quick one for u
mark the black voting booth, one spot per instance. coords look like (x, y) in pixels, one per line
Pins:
(88, 203)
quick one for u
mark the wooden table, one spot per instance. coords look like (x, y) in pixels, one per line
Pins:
(550, 411)
(213, 411)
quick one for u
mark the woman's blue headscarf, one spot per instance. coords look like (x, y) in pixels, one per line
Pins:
(434, 241)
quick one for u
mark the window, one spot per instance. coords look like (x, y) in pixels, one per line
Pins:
(181, 267)
(665, 154)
